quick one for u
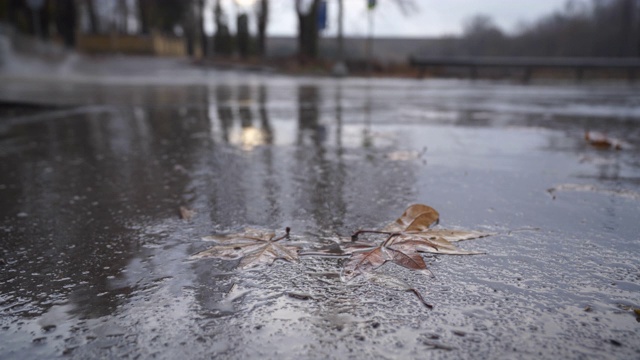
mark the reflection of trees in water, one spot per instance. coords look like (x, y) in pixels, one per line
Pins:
(96, 182)
(320, 178)
(225, 113)
(88, 179)
(270, 182)
(244, 106)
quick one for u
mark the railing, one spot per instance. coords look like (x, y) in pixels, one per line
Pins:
(529, 64)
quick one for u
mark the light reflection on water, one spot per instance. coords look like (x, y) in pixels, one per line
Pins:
(93, 242)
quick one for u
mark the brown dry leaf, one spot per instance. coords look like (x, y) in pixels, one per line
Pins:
(186, 213)
(416, 217)
(436, 241)
(408, 258)
(602, 141)
(408, 236)
(364, 261)
(254, 247)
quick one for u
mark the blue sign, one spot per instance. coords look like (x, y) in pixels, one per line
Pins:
(322, 15)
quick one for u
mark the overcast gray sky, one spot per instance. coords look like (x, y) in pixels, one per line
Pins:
(431, 18)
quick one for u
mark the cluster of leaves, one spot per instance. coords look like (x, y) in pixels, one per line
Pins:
(406, 239)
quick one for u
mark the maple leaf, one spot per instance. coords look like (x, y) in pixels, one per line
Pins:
(253, 247)
(408, 236)
(364, 261)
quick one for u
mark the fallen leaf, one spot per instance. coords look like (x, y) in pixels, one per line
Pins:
(186, 213)
(416, 217)
(363, 261)
(602, 141)
(253, 247)
(408, 236)
(433, 242)
(406, 258)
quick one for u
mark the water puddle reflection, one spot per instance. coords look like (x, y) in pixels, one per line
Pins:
(94, 252)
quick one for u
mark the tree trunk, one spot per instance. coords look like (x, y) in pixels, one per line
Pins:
(143, 16)
(340, 35)
(204, 44)
(193, 27)
(94, 26)
(242, 34)
(307, 31)
(263, 18)
(124, 16)
(65, 18)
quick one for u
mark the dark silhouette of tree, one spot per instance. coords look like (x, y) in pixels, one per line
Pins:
(20, 15)
(263, 19)
(222, 41)
(4, 10)
(242, 37)
(307, 30)
(192, 23)
(602, 28)
(202, 35)
(123, 11)
(92, 16)
(144, 16)
(163, 15)
(65, 21)
(483, 37)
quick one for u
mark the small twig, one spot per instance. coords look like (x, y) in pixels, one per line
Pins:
(436, 345)
(354, 237)
(421, 298)
(285, 236)
(321, 254)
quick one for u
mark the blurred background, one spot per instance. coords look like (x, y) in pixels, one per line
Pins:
(372, 35)
(117, 114)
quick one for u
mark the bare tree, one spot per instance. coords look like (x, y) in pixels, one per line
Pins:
(307, 29)
(143, 16)
(94, 25)
(483, 37)
(123, 10)
(65, 20)
(263, 19)
(222, 41)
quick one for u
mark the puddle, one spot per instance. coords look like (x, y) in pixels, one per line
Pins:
(94, 257)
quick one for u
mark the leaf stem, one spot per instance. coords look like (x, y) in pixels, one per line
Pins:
(354, 236)
(391, 236)
(285, 236)
(421, 298)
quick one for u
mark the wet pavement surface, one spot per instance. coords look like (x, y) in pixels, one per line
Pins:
(95, 255)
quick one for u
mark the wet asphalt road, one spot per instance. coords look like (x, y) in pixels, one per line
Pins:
(95, 255)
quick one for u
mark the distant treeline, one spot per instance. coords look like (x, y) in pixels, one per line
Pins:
(588, 28)
(601, 28)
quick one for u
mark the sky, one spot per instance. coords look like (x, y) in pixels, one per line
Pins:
(429, 18)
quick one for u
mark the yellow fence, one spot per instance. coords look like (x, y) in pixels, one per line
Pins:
(154, 44)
